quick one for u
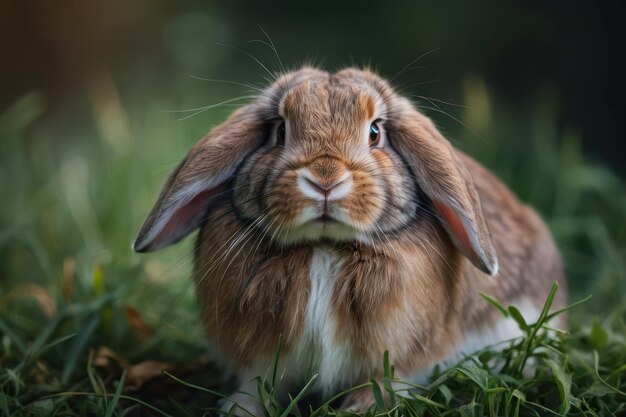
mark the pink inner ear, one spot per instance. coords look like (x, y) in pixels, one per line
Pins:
(188, 216)
(455, 224)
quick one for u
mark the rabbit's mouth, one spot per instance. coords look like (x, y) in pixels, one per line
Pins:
(324, 227)
(325, 219)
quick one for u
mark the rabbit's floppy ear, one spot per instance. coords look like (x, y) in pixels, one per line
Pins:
(204, 173)
(447, 182)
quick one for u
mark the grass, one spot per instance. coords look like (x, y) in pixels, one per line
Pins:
(70, 285)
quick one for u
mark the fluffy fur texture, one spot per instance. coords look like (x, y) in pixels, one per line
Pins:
(345, 246)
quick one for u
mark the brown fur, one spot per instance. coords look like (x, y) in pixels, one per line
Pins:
(254, 296)
(429, 223)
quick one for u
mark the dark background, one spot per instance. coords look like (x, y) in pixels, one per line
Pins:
(572, 51)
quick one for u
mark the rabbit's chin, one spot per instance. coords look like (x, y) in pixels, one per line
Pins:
(321, 232)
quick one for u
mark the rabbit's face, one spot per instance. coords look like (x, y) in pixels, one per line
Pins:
(327, 169)
(325, 157)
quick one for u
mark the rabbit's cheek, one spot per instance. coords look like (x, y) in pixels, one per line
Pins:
(364, 205)
(282, 202)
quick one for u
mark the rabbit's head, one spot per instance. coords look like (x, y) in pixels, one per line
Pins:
(322, 157)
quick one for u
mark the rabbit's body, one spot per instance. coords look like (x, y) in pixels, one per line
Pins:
(340, 307)
(337, 219)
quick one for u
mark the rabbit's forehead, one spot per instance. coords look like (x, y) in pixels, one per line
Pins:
(330, 107)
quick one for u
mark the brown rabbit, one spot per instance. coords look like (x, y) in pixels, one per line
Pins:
(335, 216)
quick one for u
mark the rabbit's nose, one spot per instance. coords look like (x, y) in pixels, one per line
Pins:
(319, 189)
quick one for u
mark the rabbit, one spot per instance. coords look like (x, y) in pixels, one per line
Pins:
(337, 223)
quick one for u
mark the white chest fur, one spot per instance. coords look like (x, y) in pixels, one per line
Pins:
(318, 351)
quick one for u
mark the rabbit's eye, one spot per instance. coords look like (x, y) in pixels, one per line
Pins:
(374, 134)
(280, 134)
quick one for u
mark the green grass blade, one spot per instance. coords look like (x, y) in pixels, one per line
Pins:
(569, 307)
(335, 397)
(519, 319)
(276, 358)
(563, 382)
(378, 397)
(116, 397)
(198, 387)
(479, 376)
(548, 304)
(77, 347)
(427, 401)
(19, 343)
(43, 337)
(298, 397)
(495, 303)
(596, 359)
(91, 394)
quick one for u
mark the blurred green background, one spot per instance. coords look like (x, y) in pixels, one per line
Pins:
(96, 102)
